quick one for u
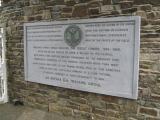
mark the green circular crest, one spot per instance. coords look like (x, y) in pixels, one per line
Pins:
(73, 36)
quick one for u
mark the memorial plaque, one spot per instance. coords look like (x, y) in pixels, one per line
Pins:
(95, 55)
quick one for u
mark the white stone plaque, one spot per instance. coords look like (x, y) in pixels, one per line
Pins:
(95, 55)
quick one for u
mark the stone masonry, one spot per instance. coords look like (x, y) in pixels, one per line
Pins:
(84, 105)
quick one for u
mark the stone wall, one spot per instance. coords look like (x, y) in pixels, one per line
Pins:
(87, 106)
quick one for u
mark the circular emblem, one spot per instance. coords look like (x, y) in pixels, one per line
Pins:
(73, 36)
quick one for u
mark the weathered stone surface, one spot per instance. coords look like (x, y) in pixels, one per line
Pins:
(99, 111)
(59, 2)
(58, 8)
(81, 115)
(145, 7)
(144, 21)
(113, 113)
(6, 1)
(73, 105)
(34, 2)
(141, 13)
(28, 11)
(46, 15)
(70, 2)
(94, 11)
(83, 105)
(155, 22)
(126, 4)
(66, 15)
(148, 111)
(129, 10)
(95, 3)
(115, 1)
(106, 8)
(85, 108)
(59, 109)
(113, 106)
(67, 9)
(152, 118)
(80, 10)
(107, 2)
(151, 15)
(154, 2)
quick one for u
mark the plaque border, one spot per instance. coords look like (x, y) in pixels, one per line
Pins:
(136, 49)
